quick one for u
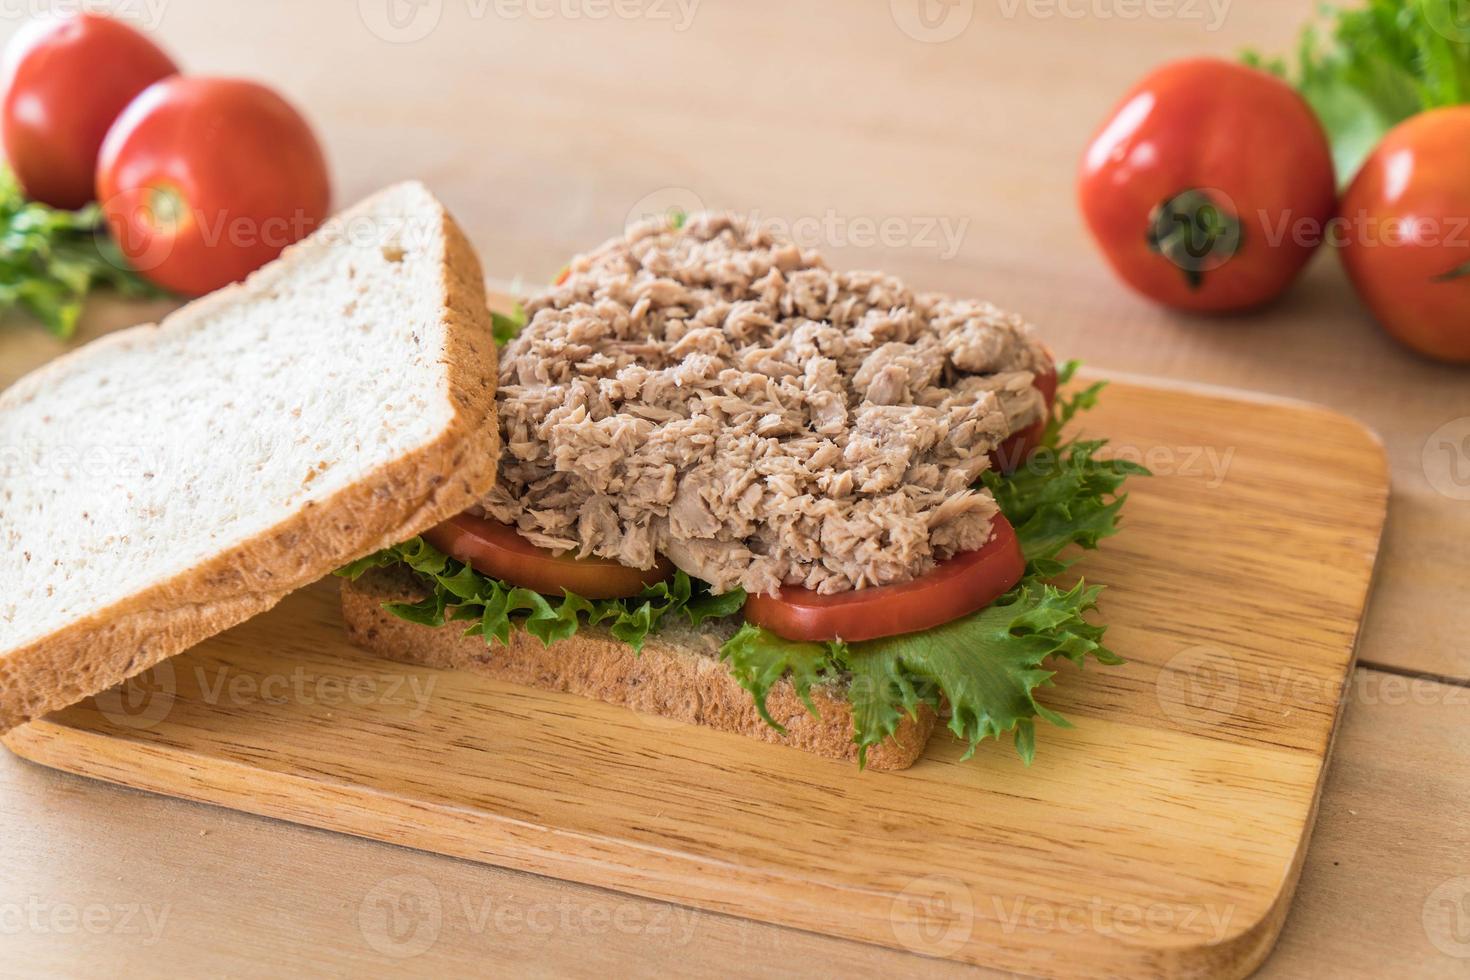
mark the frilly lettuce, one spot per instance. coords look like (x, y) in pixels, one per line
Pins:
(458, 593)
(984, 668)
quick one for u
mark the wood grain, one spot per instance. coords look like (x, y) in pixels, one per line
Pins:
(246, 897)
(1386, 888)
(542, 134)
(1165, 832)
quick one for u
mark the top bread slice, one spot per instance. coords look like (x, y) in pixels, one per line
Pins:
(169, 481)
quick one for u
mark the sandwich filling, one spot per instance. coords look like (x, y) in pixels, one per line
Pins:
(804, 457)
(720, 397)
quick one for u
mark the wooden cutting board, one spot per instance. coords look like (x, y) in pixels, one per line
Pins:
(1163, 835)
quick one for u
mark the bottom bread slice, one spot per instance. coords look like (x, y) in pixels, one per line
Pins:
(676, 676)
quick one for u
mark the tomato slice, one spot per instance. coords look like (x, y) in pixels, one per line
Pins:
(498, 550)
(1009, 455)
(965, 583)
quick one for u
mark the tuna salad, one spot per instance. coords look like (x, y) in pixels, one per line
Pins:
(714, 445)
(714, 394)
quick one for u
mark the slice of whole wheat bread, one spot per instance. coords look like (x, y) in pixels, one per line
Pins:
(169, 481)
(677, 675)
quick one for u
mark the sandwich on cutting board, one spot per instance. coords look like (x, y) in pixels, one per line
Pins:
(735, 487)
(740, 489)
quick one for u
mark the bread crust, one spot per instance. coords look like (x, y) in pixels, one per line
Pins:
(392, 503)
(665, 679)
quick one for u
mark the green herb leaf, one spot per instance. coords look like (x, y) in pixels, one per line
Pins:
(1368, 68)
(506, 327)
(357, 569)
(429, 612)
(1064, 494)
(51, 259)
(704, 606)
(1061, 497)
(986, 667)
(759, 659)
(1068, 405)
(881, 692)
(458, 593)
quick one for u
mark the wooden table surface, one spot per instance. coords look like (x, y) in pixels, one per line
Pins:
(544, 124)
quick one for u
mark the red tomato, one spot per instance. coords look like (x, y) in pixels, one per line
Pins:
(66, 80)
(497, 550)
(205, 180)
(1406, 244)
(1209, 186)
(955, 588)
(1019, 447)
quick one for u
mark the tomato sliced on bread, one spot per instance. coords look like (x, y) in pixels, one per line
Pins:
(1009, 455)
(968, 582)
(499, 551)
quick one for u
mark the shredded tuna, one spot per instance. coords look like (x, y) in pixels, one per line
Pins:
(719, 396)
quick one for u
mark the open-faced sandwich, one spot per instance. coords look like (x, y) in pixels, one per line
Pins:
(741, 489)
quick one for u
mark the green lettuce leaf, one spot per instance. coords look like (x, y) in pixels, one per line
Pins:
(1068, 404)
(1064, 494)
(458, 593)
(759, 659)
(505, 327)
(1367, 68)
(986, 667)
(51, 259)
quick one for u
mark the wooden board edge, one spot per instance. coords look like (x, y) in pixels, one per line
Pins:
(344, 809)
(1371, 442)
(1263, 937)
(115, 760)
(1185, 386)
(1238, 954)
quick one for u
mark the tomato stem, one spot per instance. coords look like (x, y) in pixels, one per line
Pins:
(1193, 232)
(166, 208)
(1458, 272)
